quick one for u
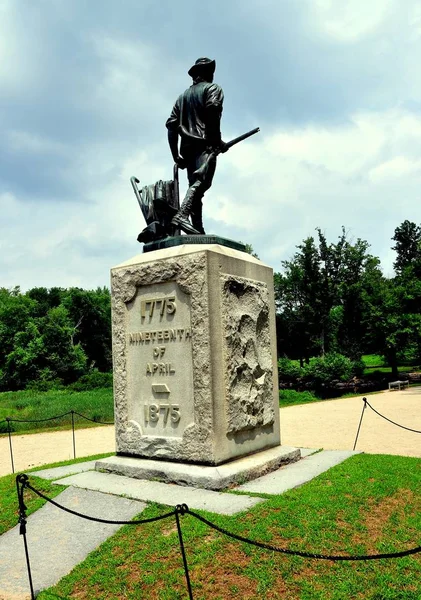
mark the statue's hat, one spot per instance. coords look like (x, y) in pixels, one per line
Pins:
(202, 63)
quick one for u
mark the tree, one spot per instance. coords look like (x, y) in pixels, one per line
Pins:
(408, 246)
(55, 334)
(15, 311)
(90, 313)
(320, 297)
(45, 349)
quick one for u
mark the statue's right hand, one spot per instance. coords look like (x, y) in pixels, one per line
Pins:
(181, 163)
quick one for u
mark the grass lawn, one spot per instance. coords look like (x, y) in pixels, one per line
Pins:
(368, 504)
(95, 404)
(293, 398)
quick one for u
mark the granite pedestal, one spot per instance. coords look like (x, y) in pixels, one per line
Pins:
(194, 351)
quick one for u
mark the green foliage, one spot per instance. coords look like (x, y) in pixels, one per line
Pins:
(408, 246)
(320, 297)
(50, 338)
(292, 397)
(331, 367)
(250, 250)
(92, 380)
(320, 371)
(288, 370)
(333, 298)
(358, 367)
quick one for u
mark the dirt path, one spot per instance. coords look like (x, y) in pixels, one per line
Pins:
(331, 425)
(42, 448)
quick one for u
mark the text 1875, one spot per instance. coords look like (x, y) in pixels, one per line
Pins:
(157, 412)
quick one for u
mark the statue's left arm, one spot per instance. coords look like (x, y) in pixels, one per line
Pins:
(172, 125)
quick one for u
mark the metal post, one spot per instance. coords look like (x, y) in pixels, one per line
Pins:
(73, 432)
(186, 568)
(9, 431)
(361, 420)
(21, 481)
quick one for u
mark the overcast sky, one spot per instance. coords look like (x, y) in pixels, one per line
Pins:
(87, 85)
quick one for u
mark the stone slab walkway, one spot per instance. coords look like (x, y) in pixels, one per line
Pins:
(58, 541)
(295, 474)
(164, 493)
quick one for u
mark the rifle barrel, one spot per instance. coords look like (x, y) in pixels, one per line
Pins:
(240, 138)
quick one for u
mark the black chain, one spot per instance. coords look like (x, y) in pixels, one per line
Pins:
(333, 557)
(10, 419)
(97, 519)
(390, 420)
(183, 509)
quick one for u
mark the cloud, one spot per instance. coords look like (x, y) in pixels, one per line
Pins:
(352, 21)
(398, 167)
(84, 95)
(284, 185)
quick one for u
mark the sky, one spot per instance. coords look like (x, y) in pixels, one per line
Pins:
(87, 85)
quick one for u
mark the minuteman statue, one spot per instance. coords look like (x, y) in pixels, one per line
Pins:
(196, 118)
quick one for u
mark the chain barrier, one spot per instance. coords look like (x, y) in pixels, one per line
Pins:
(367, 403)
(10, 420)
(390, 420)
(22, 482)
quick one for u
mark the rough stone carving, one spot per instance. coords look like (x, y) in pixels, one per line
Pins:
(245, 308)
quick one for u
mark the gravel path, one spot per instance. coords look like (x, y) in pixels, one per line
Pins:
(331, 425)
(33, 450)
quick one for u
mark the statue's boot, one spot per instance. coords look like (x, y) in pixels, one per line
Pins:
(181, 219)
(184, 224)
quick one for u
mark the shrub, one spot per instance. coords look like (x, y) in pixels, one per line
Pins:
(332, 367)
(288, 370)
(45, 382)
(358, 367)
(92, 380)
(287, 397)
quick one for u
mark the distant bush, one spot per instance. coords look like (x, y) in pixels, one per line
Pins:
(358, 367)
(92, 380)
(408, 357)
(331, 367)
(45, 382)
(287, 397)
(288, 370)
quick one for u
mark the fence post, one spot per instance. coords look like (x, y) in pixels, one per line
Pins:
(361, 420)
(73, 432)
(180, 509)
(9, 431)
(21, 480)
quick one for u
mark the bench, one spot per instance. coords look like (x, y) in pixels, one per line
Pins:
(397, 385)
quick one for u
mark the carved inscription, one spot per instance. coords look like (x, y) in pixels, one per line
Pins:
(159, 344)
(161, 305)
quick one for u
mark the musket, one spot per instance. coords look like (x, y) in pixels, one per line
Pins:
(201, 171)
(240, 138)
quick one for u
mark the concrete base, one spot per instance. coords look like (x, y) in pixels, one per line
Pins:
(233, 473)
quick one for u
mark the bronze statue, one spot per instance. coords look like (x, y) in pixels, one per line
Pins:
(196, 118)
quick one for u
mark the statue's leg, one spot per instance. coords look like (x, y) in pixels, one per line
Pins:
(196, 216)
(192, 204)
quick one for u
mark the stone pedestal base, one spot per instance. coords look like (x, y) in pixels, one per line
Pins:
(194, 351)
(224, 476)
